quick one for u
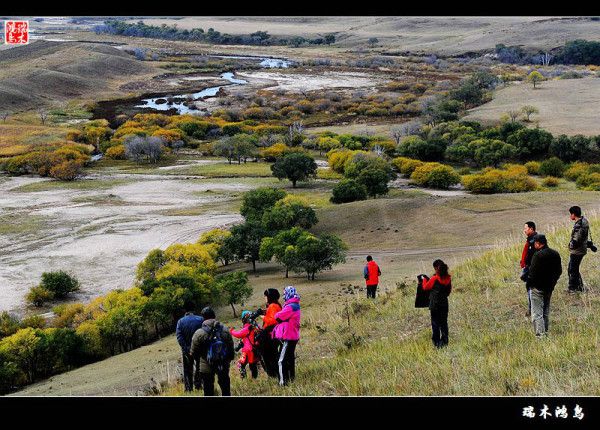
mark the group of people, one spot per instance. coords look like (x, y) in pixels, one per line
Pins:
(207, 345)
(541, 268)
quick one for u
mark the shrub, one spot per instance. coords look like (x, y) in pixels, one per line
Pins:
(552, 167)
(66, 171)
(575, 170)
(550, 181)
(116, 152)
(589, 181)
(435, 175)
(348, 190)
(427, 150)
(406, 166)
(490, 181)
(59, 283)
(38, 296)
(533, 167)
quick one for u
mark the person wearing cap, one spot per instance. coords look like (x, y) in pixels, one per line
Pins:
(248, 357)
(371, 273)
(526, 256)
(287, 331)
(269, 345)
(199, 349)
(577, 248)
(186, 327)
(544, 272)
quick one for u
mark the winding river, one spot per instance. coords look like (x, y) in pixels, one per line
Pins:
(181, 102)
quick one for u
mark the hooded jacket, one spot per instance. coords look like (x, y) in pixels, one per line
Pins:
(288, 319)
(199, 347)
(246, 333)
(440, 288)
(579, 237)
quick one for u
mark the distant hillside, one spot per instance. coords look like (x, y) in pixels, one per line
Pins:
(442, 35)
(46, 72)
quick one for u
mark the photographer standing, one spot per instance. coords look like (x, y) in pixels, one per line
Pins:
(577, 248)
(371, 273)
(440, 286)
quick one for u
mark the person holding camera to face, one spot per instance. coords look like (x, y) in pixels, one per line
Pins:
(578, 247)
(439, 287)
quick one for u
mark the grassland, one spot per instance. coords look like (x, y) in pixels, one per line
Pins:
(388, 340)
(84, 184)
(567, 106)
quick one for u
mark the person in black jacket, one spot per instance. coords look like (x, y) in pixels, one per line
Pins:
(544, 272)
(186, 327)
(440, 286)
(526, 256)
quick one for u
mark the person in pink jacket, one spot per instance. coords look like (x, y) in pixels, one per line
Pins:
(249, 357)
(287, 331)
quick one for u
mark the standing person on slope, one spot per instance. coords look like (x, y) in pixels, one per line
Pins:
(287, 331)
(528, 250)
(268, 344)
(440, 286)
(371, 273)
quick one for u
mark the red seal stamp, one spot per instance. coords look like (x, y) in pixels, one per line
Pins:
(16, 32)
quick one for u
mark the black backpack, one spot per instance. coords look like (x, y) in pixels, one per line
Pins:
(422, 298)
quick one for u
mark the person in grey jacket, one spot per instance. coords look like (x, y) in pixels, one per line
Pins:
(544, 272)
(199, 350)
(577, 248)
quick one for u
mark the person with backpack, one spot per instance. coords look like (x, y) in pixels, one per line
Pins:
(371, 273)
(440, 286)
(577, 248)
(287, 331)
(186, 327)
(526, 256)
(544, 273)
(268, 346)
(249, 354)
(212, 345)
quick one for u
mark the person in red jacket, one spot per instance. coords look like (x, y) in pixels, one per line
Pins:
(371, 274)
(440, 286)
(269, 345)
(248, 357)
(528, 250)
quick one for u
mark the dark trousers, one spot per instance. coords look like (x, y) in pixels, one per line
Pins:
(371, 289)
(253, 370)
(439, 326)
(191, 373)
(575, 280)
(270, 356)
(208, 381)
(287, 361)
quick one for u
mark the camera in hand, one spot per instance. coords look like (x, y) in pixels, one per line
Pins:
(591, 246)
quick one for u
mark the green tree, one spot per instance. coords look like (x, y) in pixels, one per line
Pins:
(9, 324)
(287, 213)
(295, 167)
(59, 283)
(234, 288)
(244, 242)
(315, 254)
(348, 190)
(375, 181)
(535, 77)
(282, 247)
(570, 148)
(38, 296)
(426, 150)
(256, 202)
(552, 167)
(530, 142)
(529, 110)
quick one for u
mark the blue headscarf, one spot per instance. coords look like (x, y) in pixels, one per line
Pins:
(290, 293)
